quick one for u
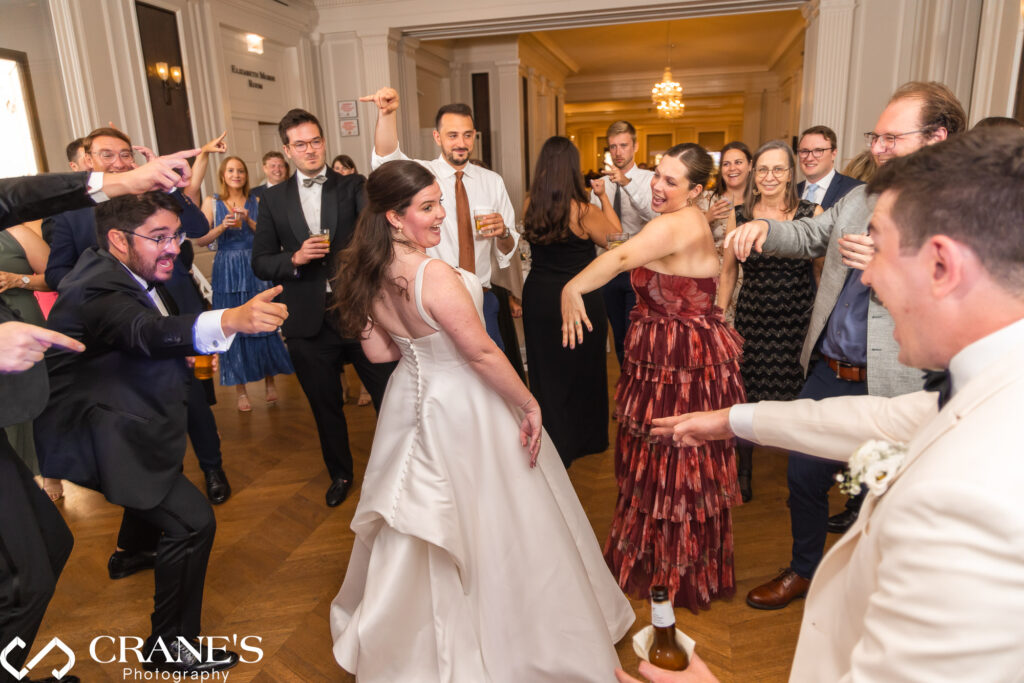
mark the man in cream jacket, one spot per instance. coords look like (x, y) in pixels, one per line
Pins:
(928, 585)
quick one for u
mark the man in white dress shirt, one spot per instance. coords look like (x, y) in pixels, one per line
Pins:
(466, 191)
(630, 192)
(928, 584)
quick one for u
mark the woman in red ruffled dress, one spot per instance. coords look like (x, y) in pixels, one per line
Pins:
(672, 522)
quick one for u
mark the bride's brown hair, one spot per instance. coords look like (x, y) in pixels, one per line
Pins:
(363, 264)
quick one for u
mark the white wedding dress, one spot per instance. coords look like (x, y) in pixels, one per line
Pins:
(468, 565)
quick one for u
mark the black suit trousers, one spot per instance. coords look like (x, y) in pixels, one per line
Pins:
(318, 362)
(184, 526)
(34, 545)
(202, 427)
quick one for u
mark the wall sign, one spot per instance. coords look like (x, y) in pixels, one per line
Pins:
(347, 109)
(251, 75)
(349, 127)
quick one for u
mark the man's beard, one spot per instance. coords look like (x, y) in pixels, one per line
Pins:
(138, 266)
(450, 157)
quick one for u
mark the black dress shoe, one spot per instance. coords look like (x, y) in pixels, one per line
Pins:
(126, 562)
(838, 524)
(178, 657)
(217, 487)
(338, 492)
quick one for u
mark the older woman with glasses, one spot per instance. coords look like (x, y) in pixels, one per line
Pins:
(774, 306)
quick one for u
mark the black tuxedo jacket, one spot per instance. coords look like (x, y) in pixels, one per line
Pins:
(837, 189)
(32, 197)
(23, 395)
(116, 417)
(280, 231)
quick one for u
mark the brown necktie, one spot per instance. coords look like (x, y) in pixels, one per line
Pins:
(467, 252)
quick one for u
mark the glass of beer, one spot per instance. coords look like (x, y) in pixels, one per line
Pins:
(203, 368)
(617, 239)
(479, 214)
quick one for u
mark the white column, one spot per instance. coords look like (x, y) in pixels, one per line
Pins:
(996, 69)
(408, 91)
(75, 77)
(506, 131)
(827, 48)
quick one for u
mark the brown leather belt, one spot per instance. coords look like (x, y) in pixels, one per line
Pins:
(846, 371)
(486, 289)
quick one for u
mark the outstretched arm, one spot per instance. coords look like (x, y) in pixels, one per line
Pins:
(200, 165)
(385, 135)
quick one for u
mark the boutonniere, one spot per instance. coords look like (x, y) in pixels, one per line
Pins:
(872, 465)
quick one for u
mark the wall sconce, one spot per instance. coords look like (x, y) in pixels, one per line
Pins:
(254, 43)
(170, 78)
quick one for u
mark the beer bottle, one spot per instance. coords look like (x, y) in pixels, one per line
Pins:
(665, 653)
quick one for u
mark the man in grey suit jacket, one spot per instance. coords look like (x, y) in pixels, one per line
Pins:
(849, 347)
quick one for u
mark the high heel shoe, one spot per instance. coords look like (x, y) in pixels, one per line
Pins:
(243, 404)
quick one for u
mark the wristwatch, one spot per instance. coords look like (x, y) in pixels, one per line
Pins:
(25, 280)
(506, 234)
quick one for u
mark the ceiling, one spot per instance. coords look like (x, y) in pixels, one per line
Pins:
(726, 43)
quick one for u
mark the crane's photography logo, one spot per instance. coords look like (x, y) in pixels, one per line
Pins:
(18, 643)
(130, 651)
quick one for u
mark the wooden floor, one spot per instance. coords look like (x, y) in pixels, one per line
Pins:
(280, 555)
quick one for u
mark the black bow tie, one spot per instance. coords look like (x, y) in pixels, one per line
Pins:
(319, 180)
(938, 380)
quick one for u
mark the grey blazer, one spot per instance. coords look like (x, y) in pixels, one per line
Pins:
(819, 236)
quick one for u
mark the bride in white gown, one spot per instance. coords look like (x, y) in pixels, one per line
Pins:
(473, 559)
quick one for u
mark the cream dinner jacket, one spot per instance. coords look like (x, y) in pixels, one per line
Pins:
(928, 584)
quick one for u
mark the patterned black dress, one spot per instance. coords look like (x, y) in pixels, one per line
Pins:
(772, 314)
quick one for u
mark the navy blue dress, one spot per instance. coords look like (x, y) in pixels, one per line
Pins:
(252, 356)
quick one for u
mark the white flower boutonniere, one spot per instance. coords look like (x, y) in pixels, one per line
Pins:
(872, 465)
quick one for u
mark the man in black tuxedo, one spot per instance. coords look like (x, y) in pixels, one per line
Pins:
(115, 421)
(303, 224)
(70, 234)
(817, 152)
(34, 540)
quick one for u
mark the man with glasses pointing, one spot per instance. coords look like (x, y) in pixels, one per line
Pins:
(849, 347)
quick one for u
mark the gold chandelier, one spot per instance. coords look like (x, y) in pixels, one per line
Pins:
(668, 95)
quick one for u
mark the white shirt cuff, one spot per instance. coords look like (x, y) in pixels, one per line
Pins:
(502, 258)
(208, 335)
(376, 160)
(741, 421)
(96, 187)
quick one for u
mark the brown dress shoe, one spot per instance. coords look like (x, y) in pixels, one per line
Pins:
(779, 592)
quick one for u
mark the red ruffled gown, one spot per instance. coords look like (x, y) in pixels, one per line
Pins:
(672, 522)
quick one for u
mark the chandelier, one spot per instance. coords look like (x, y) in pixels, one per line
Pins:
(668, 95)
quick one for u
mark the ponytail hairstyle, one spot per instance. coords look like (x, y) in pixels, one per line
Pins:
(363, 264)
(697, 161)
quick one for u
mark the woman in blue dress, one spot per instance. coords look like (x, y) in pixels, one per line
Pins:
(232, 216)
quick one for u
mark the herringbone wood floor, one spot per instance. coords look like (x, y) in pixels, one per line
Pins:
(280, 555)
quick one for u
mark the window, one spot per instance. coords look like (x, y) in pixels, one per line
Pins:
(24, 152)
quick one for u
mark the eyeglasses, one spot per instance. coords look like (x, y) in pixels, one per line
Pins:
(162, 240)
(778, 171)
(301, 145)
(816, 153)
(887, 139)
(107, 156)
